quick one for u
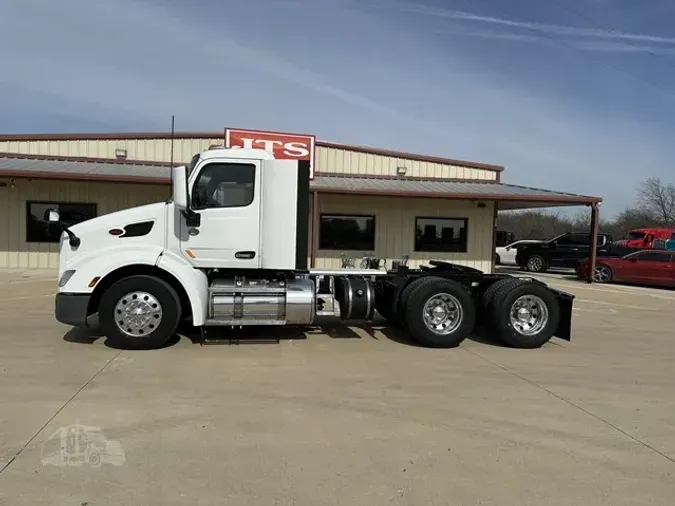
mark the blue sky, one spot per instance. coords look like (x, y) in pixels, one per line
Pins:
(573, 95)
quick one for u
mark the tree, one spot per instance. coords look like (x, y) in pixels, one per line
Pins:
(657, 200)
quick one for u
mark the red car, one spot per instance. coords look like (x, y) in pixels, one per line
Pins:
(655, 268)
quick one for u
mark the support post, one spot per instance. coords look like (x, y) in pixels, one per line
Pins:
(315, 229)
(595, 223)
(493, 248)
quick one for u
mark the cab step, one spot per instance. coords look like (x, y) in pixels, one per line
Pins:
(208, 336)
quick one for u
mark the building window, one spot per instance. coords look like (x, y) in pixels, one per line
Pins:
(446, 235)
(347, 232)
(221, 185)
(38, 227)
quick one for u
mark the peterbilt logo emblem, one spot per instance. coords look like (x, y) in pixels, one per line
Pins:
(285, 146)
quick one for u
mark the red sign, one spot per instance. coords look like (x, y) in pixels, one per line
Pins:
(285, 146)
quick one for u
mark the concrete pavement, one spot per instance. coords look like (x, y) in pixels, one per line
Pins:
(344, 415)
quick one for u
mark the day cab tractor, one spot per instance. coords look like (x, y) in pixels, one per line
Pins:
(230, 249)
(646, 238)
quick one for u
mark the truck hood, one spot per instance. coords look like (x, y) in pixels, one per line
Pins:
(120, 219)
(95, 237)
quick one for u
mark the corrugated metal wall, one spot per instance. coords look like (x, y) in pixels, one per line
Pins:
(351, 162)
(16, 253)
(395, 221)
(328, 159)
(395, 229)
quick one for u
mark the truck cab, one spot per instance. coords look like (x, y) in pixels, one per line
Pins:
(644, 238)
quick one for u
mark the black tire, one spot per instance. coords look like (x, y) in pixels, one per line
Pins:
(603, 274)
(423, 291)
(536, 263)
(498, 259)
(488, 294)
(502, 305)
(398, 319)
(168, 322)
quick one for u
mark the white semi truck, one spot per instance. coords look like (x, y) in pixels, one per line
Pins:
(230, 248)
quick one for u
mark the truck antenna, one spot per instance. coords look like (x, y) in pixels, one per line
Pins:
(172, 135)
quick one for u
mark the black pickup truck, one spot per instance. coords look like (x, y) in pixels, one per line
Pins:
(566, 250)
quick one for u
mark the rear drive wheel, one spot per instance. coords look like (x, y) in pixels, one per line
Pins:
(603, 274)
(526, 314)
(536, 263)
(439, 313)
(398, 319)
(490, 291)
(139, 312)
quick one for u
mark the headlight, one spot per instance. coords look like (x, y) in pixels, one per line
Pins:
(65, 277)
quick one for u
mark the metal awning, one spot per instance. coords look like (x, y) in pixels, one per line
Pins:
(509, 196)
(105, 170)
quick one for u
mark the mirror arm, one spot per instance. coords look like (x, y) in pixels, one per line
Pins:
(73, 240)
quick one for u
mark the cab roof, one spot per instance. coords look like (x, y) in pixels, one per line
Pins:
(243, 153)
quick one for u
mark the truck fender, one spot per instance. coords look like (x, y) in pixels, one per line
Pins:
(194, 282)
(91, 266)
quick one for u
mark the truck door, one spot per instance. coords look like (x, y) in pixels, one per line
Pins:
(570, 250)
(227, 196)
(652, 268)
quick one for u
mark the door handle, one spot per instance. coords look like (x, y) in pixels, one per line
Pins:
(244, 255)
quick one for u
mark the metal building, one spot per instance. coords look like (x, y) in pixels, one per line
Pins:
(364, 200)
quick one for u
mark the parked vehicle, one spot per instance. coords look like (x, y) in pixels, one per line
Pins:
(645, 238)
(217, 256)
(566, 250)
(648, 267)
(666, 244)
(506, 255)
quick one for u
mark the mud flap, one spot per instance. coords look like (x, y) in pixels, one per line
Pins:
(566, 302)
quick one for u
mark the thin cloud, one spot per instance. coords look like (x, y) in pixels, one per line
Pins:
(551, 29)
(585, 45)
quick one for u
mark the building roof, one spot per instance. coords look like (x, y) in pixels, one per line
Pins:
(130, 136)
(438, 188)
(142, 172)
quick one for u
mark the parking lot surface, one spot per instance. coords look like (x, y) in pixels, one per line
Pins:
(341, 415)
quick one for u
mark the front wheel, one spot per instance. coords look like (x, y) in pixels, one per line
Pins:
(536, 263)
(439, 313)
(603, 274)
(139, 312)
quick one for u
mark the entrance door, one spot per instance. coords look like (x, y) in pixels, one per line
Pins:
(227, 196)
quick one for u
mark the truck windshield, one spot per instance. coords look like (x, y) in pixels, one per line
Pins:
(636, 235)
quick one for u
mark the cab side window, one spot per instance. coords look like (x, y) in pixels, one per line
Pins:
(654, 257)
(224, 185)
(574, 240)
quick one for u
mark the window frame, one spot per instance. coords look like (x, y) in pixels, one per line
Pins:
(639, 256)
(455, 218)
(571, 242)
(52, 204)
(205, 167)
(347, 215)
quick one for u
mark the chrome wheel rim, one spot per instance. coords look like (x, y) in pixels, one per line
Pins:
(137, 314)
(442, 313)
(602, 274)
(529, 315)
(535, 263)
